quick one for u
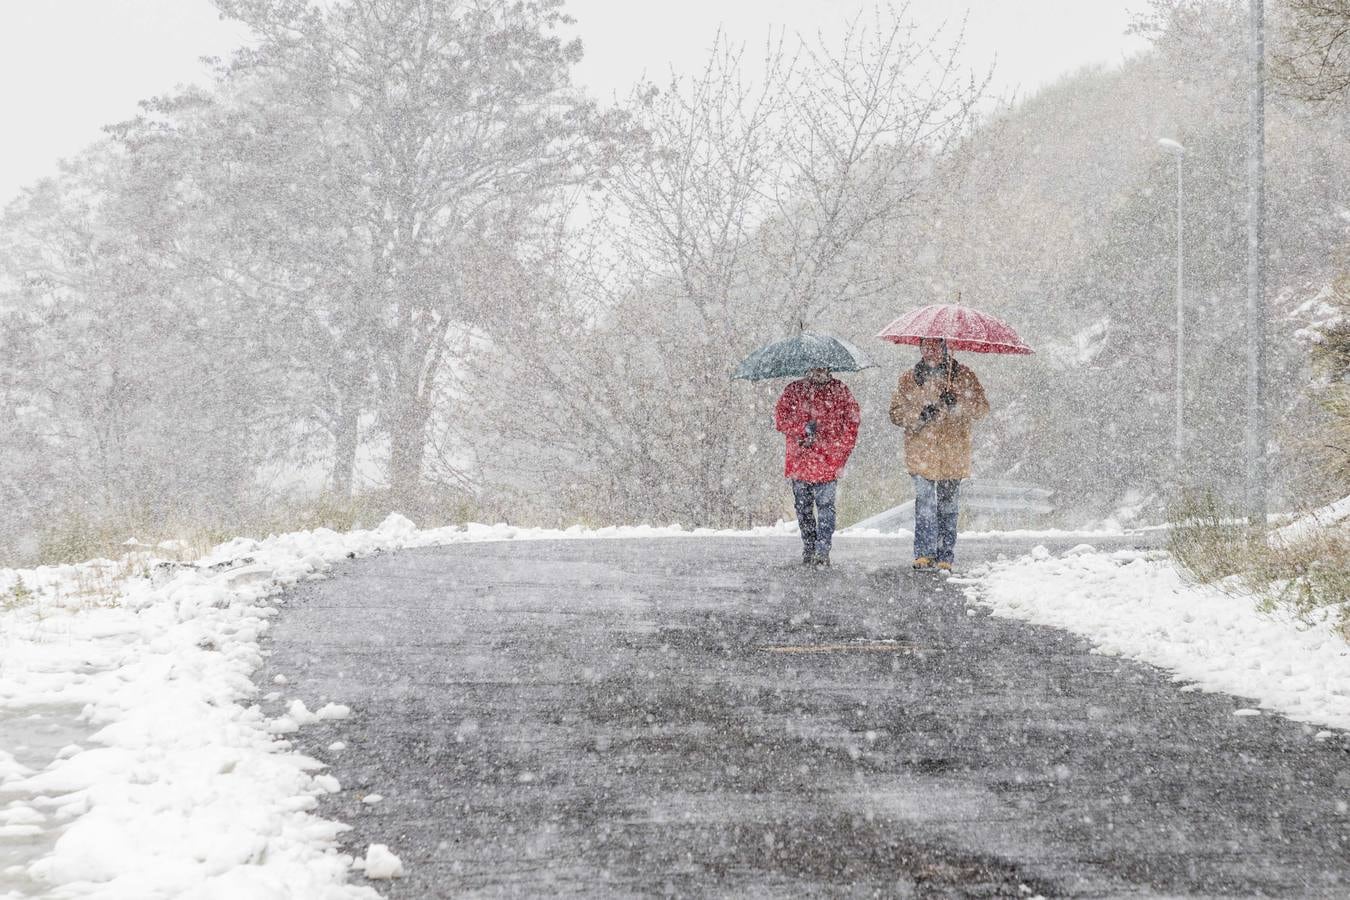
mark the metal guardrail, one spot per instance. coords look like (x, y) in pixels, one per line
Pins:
(984, 498)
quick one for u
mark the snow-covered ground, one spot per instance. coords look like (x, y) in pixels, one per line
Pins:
(134, 762)
(177, 786)
(1135, 603)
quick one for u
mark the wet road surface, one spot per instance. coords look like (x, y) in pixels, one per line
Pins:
(696, 717)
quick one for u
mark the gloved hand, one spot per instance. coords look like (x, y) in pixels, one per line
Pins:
(927, 413)
(810, 439)
(948, 397)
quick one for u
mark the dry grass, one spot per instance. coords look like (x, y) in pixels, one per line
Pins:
(95, 583)
(1310, 577)
(1211, 541)
(181, 539)
(77, 539)
(19, 594)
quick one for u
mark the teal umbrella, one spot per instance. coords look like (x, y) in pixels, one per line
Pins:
(795, 356)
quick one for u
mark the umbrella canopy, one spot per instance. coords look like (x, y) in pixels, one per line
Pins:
(797, 355)
(962, 327)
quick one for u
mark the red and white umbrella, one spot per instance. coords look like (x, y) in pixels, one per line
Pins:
(962, 327)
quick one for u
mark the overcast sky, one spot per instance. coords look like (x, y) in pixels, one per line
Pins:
(69, 67)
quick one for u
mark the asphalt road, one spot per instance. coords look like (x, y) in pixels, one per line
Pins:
(696, 717)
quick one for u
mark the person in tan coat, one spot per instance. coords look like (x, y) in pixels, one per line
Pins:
(935, 403)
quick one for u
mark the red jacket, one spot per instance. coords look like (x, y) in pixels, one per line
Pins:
(832, 407)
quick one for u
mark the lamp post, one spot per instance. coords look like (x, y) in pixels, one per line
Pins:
(1178, 151)
(1255, 442)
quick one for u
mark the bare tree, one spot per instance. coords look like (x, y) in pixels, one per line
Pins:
(869, 120)
(1313, 58)
(728, 229)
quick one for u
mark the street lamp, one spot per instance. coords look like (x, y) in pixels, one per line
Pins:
(1257, 428)
(1178, 151)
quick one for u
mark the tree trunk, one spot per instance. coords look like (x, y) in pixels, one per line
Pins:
(351, 383)
(407, 446)
(344, 451)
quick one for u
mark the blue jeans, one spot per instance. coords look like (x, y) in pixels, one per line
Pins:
(935, 518)
(815, 514)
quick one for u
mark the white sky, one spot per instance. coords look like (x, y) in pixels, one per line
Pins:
(68, 67)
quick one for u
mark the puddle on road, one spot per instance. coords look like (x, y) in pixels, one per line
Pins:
(851, 647)
(33, 736)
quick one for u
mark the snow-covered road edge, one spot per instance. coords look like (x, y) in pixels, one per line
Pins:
(185, 789)
(1135, 604)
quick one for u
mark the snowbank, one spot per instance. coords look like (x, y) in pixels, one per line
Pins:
(1135, 604)
(1334, 514)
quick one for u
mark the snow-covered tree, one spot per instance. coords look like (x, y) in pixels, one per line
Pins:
(130, 394)
(445, 128)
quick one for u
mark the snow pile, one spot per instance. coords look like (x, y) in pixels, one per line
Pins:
(1332, 515)
(1317, 315)
(179, 790)
(382, 864)
(184, 789)
(1135, 604)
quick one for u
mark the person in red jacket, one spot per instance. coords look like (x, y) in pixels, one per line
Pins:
(819, 418)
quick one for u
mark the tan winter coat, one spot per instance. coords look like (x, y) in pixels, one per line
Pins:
(938, 449)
